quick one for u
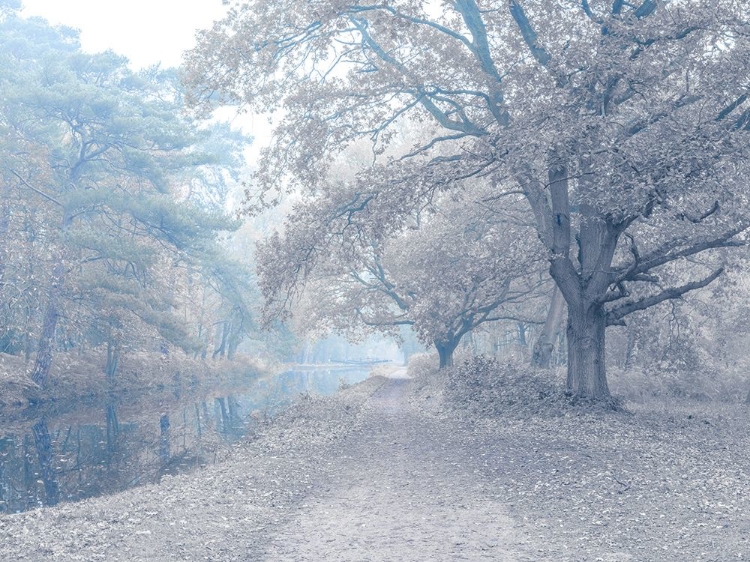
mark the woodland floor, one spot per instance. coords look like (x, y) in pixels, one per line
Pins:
(385, 471)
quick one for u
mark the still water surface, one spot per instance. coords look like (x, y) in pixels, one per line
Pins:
(104, 446)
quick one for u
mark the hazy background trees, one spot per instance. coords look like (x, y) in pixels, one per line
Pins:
(114, 224)
(451, 173)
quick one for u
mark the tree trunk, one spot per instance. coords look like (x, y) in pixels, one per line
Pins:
(49, 327)
(587, 378)
(541, 355)
(164, 452)
(113, 358)
(4, 227)
(235, 338)
(632, 349)
(522, 340)
(445, 352)
(221, 348)
(113, 427)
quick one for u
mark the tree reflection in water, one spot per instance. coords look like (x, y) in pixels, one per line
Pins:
(111, 445)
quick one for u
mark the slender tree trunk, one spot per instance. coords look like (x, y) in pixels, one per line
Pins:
(4, 239)
(541, 355)
(113, 358)
(235, 338)
(631, 350)
(220, 350)
(586, 370)
(522, 340)
(43, 361)
(113, 427)
(164, 452)
(45, 349)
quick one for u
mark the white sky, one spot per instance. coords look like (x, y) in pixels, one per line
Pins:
(145, 31)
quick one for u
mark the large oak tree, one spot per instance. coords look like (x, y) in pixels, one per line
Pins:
(454, 267)
(625, 125)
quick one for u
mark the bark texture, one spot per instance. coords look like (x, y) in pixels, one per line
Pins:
(445, 352)
(586, 369)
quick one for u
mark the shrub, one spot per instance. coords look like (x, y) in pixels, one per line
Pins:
(484, 386)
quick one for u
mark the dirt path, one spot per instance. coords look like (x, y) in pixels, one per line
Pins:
(398, 488)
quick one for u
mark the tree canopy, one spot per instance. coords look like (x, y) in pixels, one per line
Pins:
(624, 125)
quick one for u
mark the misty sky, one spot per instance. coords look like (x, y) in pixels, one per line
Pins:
(145, 31)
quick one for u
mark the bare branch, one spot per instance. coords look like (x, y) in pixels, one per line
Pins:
(669, 252)
(35, 190)
(699, 218)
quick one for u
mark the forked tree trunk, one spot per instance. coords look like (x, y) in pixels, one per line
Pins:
(583, 285)
(586, 369)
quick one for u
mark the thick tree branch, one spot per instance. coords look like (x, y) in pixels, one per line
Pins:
(529, 35)
(646, 9)
(480, 47)
(671, 251)
(587, 10)
(731, 107)
(615, 316)
(558, 188)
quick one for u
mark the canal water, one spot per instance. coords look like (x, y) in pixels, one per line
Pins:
(96, 447)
